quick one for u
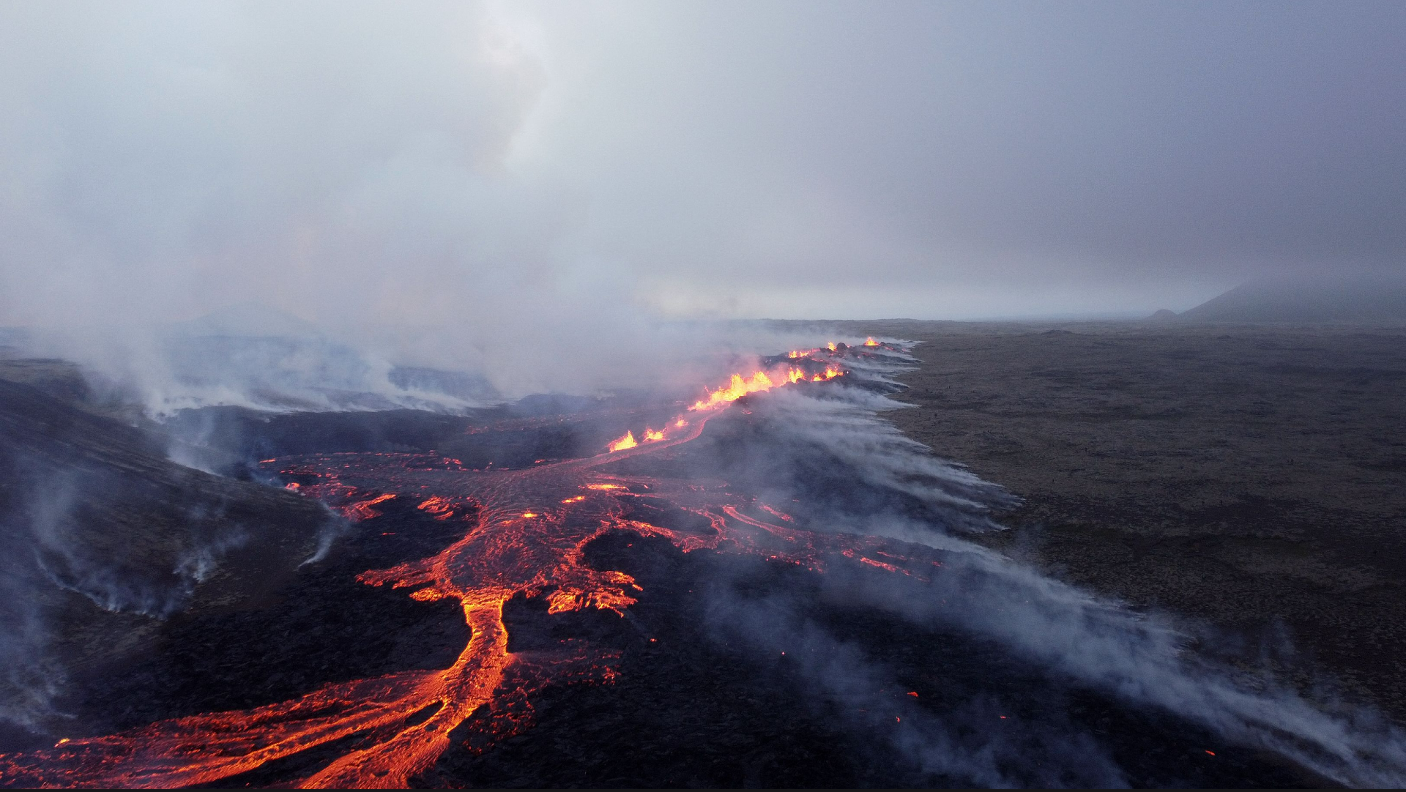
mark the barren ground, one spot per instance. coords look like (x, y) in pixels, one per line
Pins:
(1252, 478)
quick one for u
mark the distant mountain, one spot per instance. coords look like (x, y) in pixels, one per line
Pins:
(1367, 300)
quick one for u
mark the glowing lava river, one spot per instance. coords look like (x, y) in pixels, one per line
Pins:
(524, 533)
(1010, 677)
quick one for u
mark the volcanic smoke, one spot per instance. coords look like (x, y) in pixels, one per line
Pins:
(525, 532)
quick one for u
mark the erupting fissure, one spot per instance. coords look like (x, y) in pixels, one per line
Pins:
(524, 533)
(811, 365)
(628, 441)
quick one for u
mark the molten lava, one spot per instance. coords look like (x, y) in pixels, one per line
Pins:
(739, 386)
(762, 380)
(628, 441)
(524, 533)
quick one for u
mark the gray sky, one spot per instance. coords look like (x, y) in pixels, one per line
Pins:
(505, 167)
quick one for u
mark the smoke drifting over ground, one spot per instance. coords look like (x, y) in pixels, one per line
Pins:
(1142, 659)
(349, 207)
(254, 357)
(102, 538)
(828, 539)
(50, 552)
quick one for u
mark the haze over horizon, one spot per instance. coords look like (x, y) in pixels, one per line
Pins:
(549, 171)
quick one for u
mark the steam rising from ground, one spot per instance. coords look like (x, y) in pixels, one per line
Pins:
(826, 454)
(101, 538)
(42, 537)
(68, 564)
(255, 357)
(1144, 660)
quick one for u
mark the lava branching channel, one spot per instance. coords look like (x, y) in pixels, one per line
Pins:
(525, 533)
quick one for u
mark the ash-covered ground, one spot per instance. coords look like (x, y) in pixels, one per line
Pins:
(736, 669)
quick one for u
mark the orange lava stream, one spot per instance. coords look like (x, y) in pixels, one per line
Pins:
(738, 386)
(526, 532)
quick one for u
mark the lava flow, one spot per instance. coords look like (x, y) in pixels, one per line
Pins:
(524, 533)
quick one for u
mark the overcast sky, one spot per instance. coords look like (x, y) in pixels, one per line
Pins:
(568, 163)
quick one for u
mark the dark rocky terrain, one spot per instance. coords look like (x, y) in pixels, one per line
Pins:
(1248, 478)
(1253, 477)
(101, 537)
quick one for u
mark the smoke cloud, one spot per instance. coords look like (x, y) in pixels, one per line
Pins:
(523, 190)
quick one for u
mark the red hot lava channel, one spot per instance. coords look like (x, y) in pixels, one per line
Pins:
(525, 533)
